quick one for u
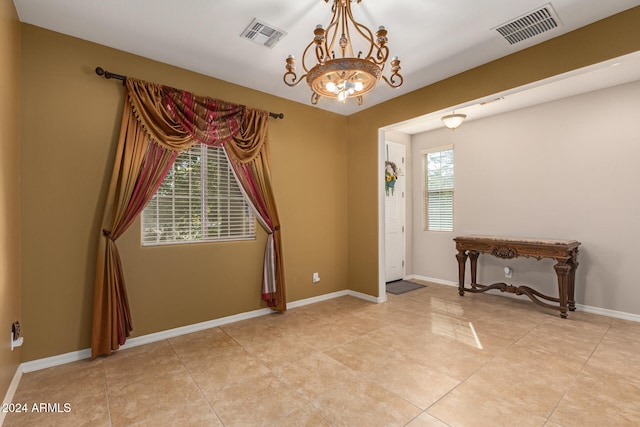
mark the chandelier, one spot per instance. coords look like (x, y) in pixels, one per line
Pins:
(337, 72)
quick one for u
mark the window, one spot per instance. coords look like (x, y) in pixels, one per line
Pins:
(438, 189)
(198, 201)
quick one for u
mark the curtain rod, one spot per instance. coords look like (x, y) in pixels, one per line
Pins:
(109, 75)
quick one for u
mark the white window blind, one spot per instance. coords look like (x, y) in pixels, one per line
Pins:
(438, 190)
(199, 201)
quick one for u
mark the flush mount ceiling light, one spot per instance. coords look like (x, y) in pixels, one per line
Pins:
(452, 121)
(337, 72)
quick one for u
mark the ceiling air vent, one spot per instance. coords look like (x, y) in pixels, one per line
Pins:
(530, 25)
(262, 33)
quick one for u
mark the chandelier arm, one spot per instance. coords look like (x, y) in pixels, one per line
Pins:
(381, 56)
(366, 34)
(291, 71)
(292, 76)
(319, 54)
(347, 49)
(304, 57)
(329, 46)
(320, 40)
(336, 19)
(392, 81)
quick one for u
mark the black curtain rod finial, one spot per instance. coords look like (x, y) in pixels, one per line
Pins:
(108, 75)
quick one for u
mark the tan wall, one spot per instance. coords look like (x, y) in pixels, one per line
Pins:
(10, 289)
(70, 121)
(603, 40)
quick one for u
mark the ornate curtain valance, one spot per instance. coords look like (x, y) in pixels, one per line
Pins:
(158, 122)
(178, 119)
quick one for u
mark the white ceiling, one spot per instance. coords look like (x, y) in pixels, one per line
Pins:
(615, 72)
(434, 39)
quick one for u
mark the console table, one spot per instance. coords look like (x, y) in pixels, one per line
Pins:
(565, 252)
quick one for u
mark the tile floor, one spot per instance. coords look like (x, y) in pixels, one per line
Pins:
(424, 358)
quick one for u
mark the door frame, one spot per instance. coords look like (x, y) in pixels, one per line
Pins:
(382, 265)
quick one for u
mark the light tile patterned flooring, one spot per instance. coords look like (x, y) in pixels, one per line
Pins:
(425, 358)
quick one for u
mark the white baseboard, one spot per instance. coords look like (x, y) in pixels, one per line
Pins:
(586, 308)
(74, 356)
(61, 359)
(332, 295)
(433, 280)
(184, 330)
(11, 391)
(313, 300)
(609, 313)
(366, 297)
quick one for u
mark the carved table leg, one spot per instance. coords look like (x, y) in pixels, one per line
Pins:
(572, 286)
(562, 270)
(462, 260)
(473, 257)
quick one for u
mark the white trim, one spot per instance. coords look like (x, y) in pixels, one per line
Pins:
(432, 280)
(74, 356)
(586, 308)
(319, 298)
(366, 297)
(61, 359)
(434, 149)
(196, 327)
(382, 264)
(325, 297)
(11, 391)
(609, 313)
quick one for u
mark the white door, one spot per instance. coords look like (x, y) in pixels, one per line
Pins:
(394, 203)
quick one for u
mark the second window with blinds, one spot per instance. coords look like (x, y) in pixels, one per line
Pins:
(438, 189)
(198, 201)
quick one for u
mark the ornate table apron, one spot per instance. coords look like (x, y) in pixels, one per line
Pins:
(565, 252)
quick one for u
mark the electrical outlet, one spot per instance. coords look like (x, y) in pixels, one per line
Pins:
(16, 340)
(15, 329)
(316, 278)
(508, 272)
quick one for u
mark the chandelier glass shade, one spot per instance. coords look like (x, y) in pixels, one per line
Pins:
(337, 72)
